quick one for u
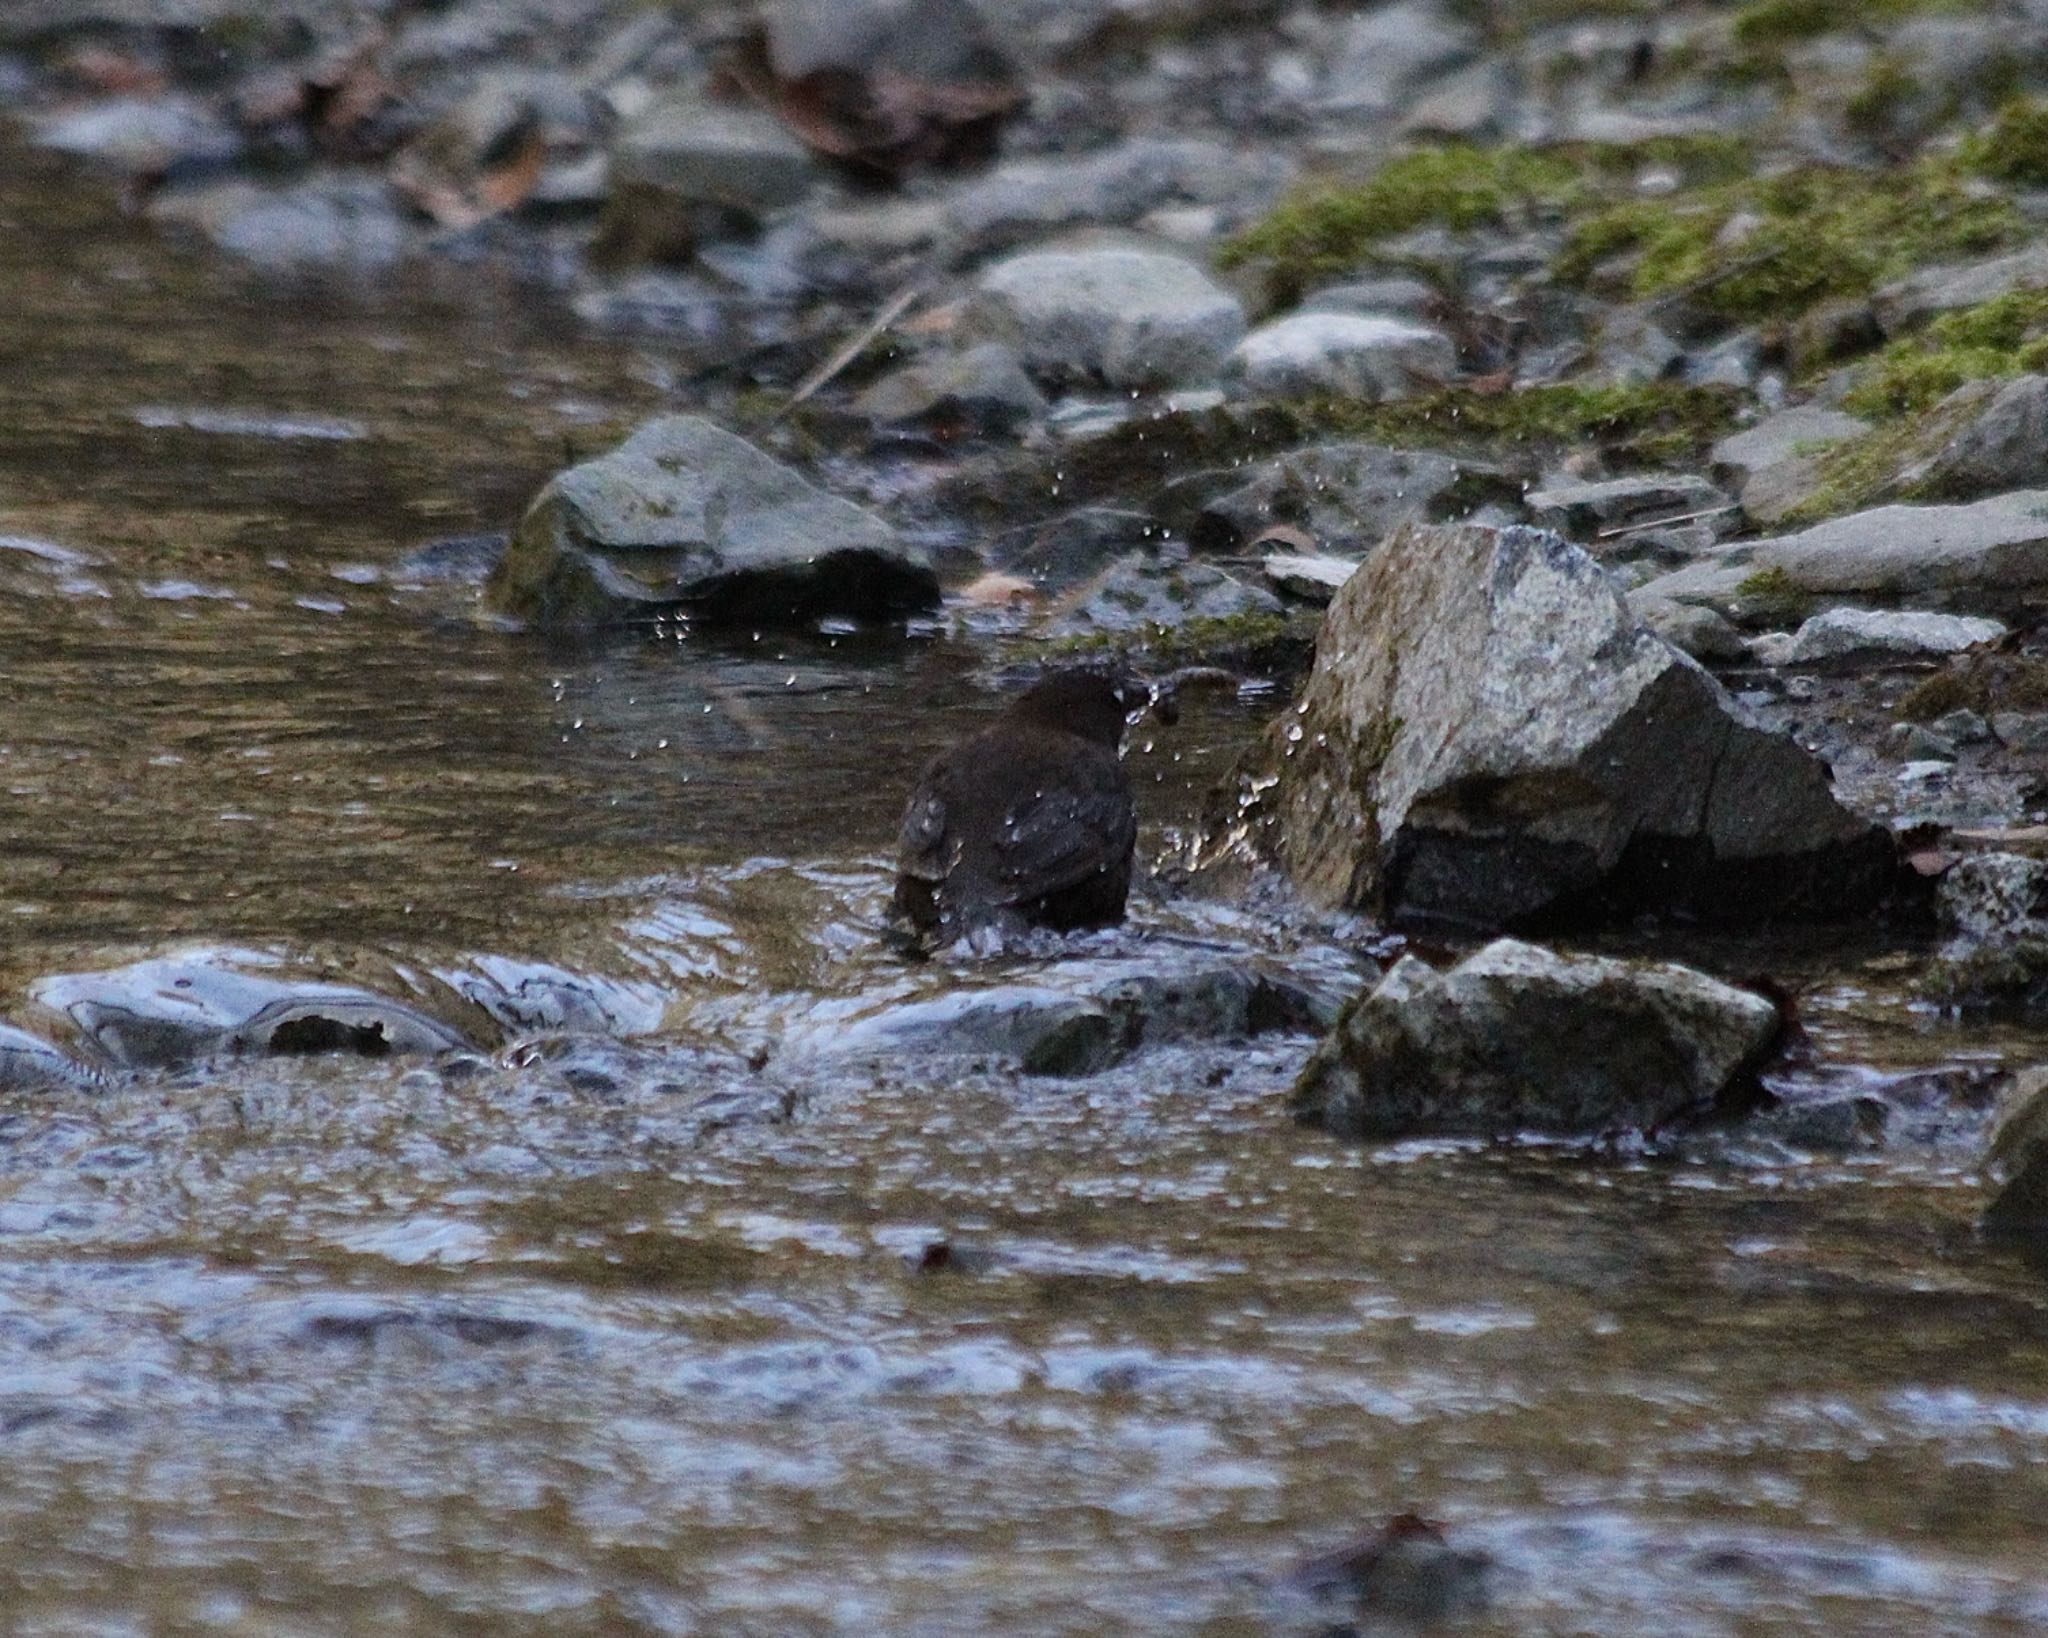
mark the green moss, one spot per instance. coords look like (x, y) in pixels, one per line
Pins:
(1874, 468)
(1890, 107)
(2015, 146)
(1772, 594)
(2005, 336)
(1775, 24)
(1327, 229)
(1772, 247)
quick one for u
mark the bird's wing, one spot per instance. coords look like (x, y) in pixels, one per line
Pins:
(1062, 833)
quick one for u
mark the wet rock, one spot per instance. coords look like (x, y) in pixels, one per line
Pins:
(1344, 354)
(453, 559)
(1074, 547)
(1914, 742)
(1863, 634)
(1519, 1039)
(1081, 1017)
(982, 391)
(1489, 738)
(1132, 318)
(686, 515)
(29, 1064)
(1585, 511)
(1987, 558)
(2022, 731)
(1384, 55)
(1308, 579)
(1995, 908)
(714, 153)
(1043, 1031)
(334, 221)
(170, 1013)
(2016, 1158)
(1155, 591)
(1406, 1570)
(2005, 446)
(1345, 496)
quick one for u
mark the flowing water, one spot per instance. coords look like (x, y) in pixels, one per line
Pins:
(560, 1337)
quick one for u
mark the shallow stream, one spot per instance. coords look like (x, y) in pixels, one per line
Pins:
(561, 1337)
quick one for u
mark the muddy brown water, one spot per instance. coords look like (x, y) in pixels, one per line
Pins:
(526, 1344)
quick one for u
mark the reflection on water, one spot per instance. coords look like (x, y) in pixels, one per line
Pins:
(600, 1338)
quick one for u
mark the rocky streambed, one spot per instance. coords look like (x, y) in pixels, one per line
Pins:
(468, 1157)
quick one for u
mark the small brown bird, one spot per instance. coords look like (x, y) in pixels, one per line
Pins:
(1029, 822)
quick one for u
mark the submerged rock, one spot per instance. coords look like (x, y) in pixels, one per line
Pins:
(1080, 1017)
(686, 515)
(1489, 738)
(1984, 558)
(1132, 318)
(170, 1013)
(1519, 1039)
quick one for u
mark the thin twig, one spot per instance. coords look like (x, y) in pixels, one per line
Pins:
(892, 310)
(1666, 523)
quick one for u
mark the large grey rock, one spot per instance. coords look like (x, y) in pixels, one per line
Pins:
(1791, 433)
(2016, 1158)
(1342, 353)
(1347, 496)
(1776, 463)
(714, 153)
(1383, 55)
(983, 390)
(1076, 546)
(1585, 511)
(1987, 557)
(1856, 634)
(1132, 317)
(170, 1013)
(2005, 445)
(1519, 1039)
(1488, 737)
(684, 514)
(1913, 300)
